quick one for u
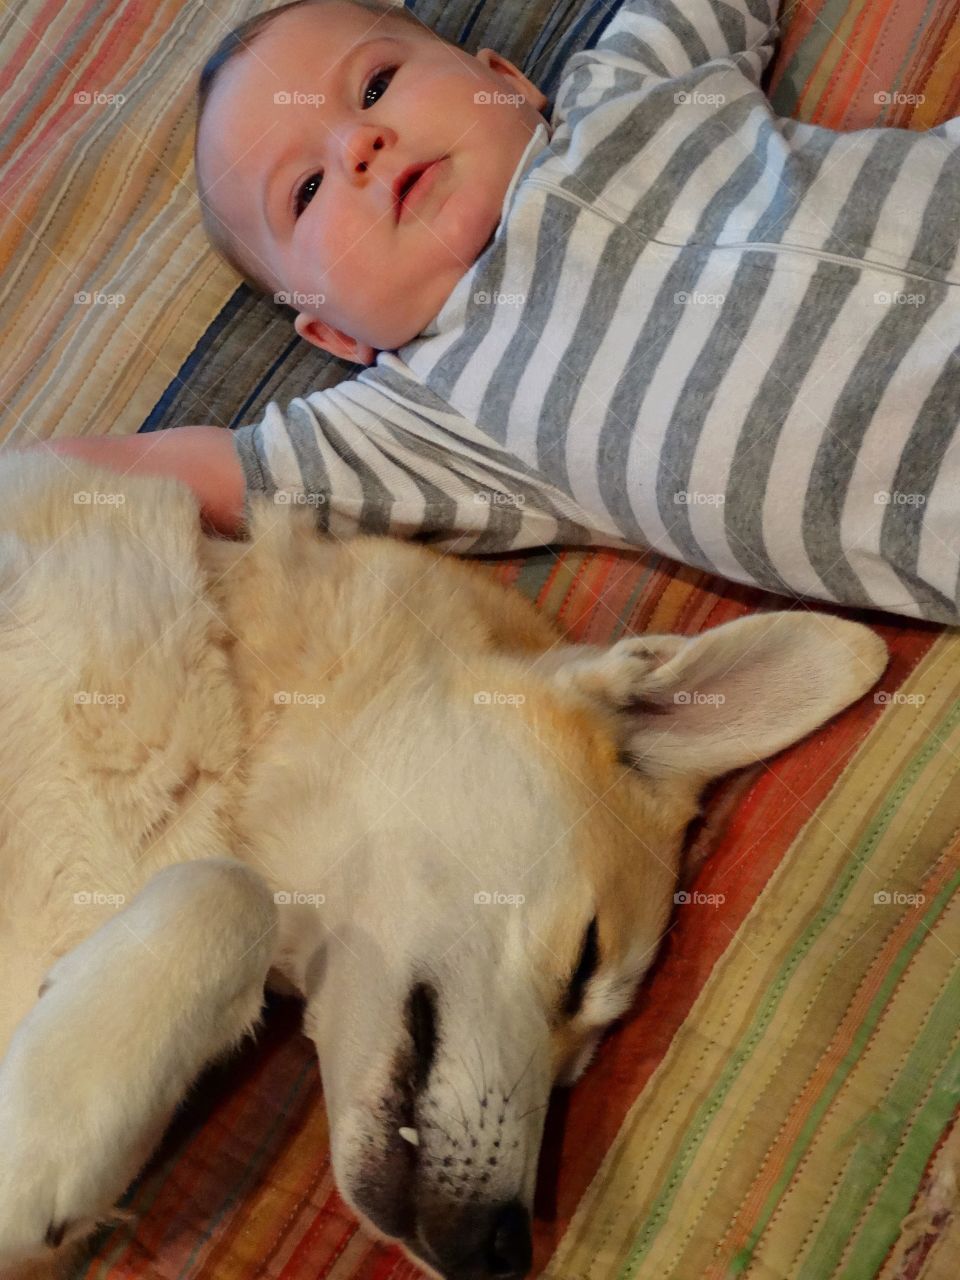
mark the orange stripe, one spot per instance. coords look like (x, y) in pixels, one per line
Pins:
(941, 84)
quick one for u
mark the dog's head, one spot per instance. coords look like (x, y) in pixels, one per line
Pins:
(490, 843)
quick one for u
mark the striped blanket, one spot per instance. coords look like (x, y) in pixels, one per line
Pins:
(781, 1102)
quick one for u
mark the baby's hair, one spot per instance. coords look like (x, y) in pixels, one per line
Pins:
(239, 38)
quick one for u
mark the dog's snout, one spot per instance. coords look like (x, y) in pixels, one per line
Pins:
(509, 1249)
(422, 1025)
(482, 1242)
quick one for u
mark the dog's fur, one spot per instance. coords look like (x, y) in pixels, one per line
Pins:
(307, 761)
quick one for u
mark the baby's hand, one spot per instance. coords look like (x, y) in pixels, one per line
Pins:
(203, 457)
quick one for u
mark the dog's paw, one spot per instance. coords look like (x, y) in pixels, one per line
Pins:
(617, 676)
(124, 1023)
(58, 1176)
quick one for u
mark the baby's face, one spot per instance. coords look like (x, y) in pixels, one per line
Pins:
(306, 183)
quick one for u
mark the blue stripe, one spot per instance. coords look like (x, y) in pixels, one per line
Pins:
(288, 351)
(470, 22)
(195, 360)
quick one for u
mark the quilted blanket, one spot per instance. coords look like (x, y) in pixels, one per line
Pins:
(781, 1101)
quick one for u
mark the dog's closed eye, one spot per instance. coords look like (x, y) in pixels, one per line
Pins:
(422, 1025)
(586, 967)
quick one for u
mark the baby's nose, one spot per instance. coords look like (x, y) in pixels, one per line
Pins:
(363, 142)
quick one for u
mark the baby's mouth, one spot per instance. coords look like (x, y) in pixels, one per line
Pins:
(405, 183)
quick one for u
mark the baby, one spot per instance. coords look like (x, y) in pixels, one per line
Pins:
(659, 316)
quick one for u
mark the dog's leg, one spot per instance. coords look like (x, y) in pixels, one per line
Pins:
(125, 1022)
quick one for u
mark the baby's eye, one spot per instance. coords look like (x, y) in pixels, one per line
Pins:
(385, 73)
(302, 200)
(299, 203)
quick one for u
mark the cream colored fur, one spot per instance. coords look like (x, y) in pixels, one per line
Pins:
(299, 760)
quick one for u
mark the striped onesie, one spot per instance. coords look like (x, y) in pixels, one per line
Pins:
(698, 328)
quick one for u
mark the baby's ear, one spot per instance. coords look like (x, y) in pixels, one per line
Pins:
(504, 67)
(320, 334)
(710, 703)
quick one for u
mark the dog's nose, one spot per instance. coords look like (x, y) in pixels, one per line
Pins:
(509, 1248)
(488, 1242)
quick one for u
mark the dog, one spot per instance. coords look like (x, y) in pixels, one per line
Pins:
(359, 771)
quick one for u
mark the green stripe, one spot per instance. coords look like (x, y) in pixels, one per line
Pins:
(795, 74)
(739, 1058)
(866, 1030)
(533, 575)
(883, 1226)
(882, 1131)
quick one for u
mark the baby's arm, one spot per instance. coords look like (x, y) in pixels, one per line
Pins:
(203, 457)
(672, 37)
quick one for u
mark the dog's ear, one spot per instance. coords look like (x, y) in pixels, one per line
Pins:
(710, 703)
